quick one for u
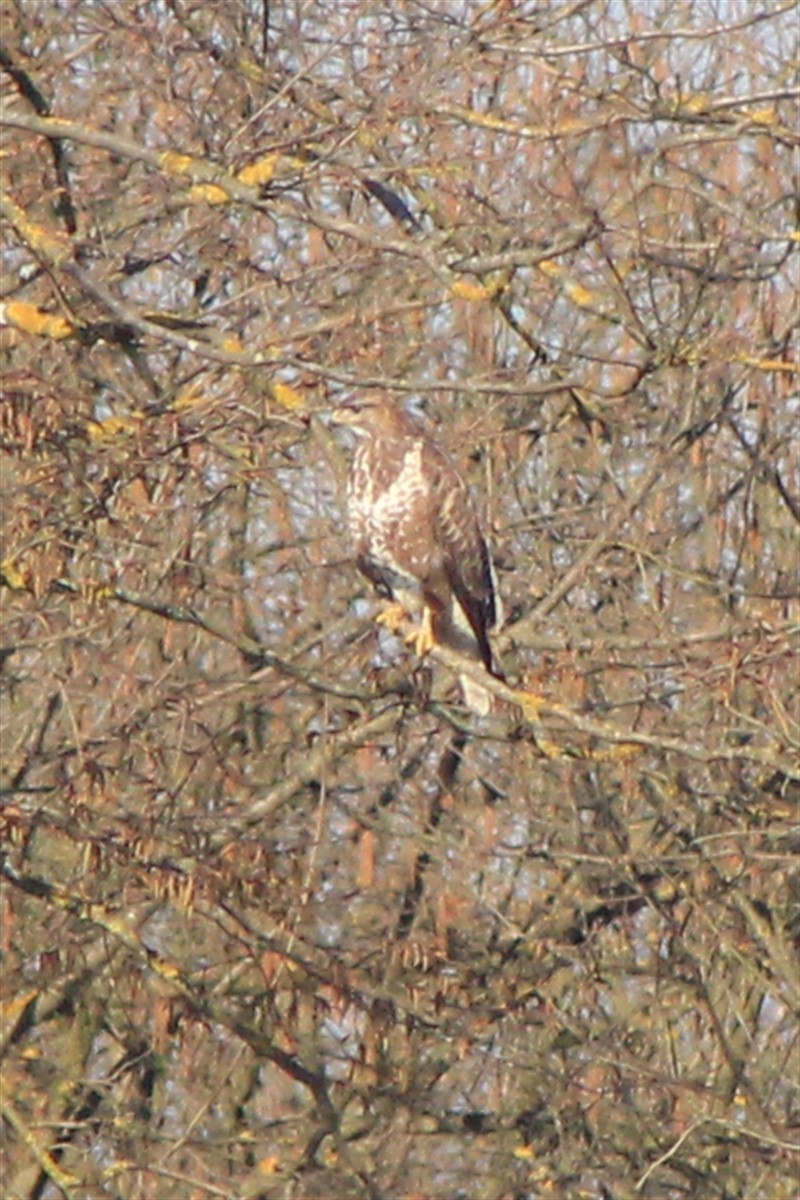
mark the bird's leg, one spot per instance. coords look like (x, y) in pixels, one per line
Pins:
(422, 639)
(392, 616)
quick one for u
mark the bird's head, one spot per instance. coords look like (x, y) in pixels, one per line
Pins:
(371, 416)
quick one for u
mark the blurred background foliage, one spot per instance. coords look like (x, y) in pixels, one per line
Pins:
(277, 918)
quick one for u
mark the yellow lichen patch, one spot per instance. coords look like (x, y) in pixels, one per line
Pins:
(251, 70)
(579, 294)
(686, 352)
(465, 289)
(54, 247)
(176, 164)
(551, 269)
(287, 397)
(12, 1009)
(487, 120)
(14, 577)
(692, 104)
(621, 752)
(208, 193)
(328, 1153)
(96, 593)
(767, 364)
(119, 1167)
(260, 172)
(531, 704)
(233, 344)
(255, 174)
(576, 292)
(165, 968)
(550, 749)
(269, 1165)
(367, 137)
(31, 319)
(762, 116)
(191, 397)
(113, 429)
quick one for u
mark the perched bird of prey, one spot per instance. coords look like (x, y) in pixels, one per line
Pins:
(417, 536)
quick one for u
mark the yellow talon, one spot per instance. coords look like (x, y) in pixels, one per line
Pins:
(392, 616)
(422, 639)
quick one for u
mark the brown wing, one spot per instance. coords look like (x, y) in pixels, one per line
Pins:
(465, 555)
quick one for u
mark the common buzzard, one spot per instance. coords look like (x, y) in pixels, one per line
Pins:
(417, 536)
